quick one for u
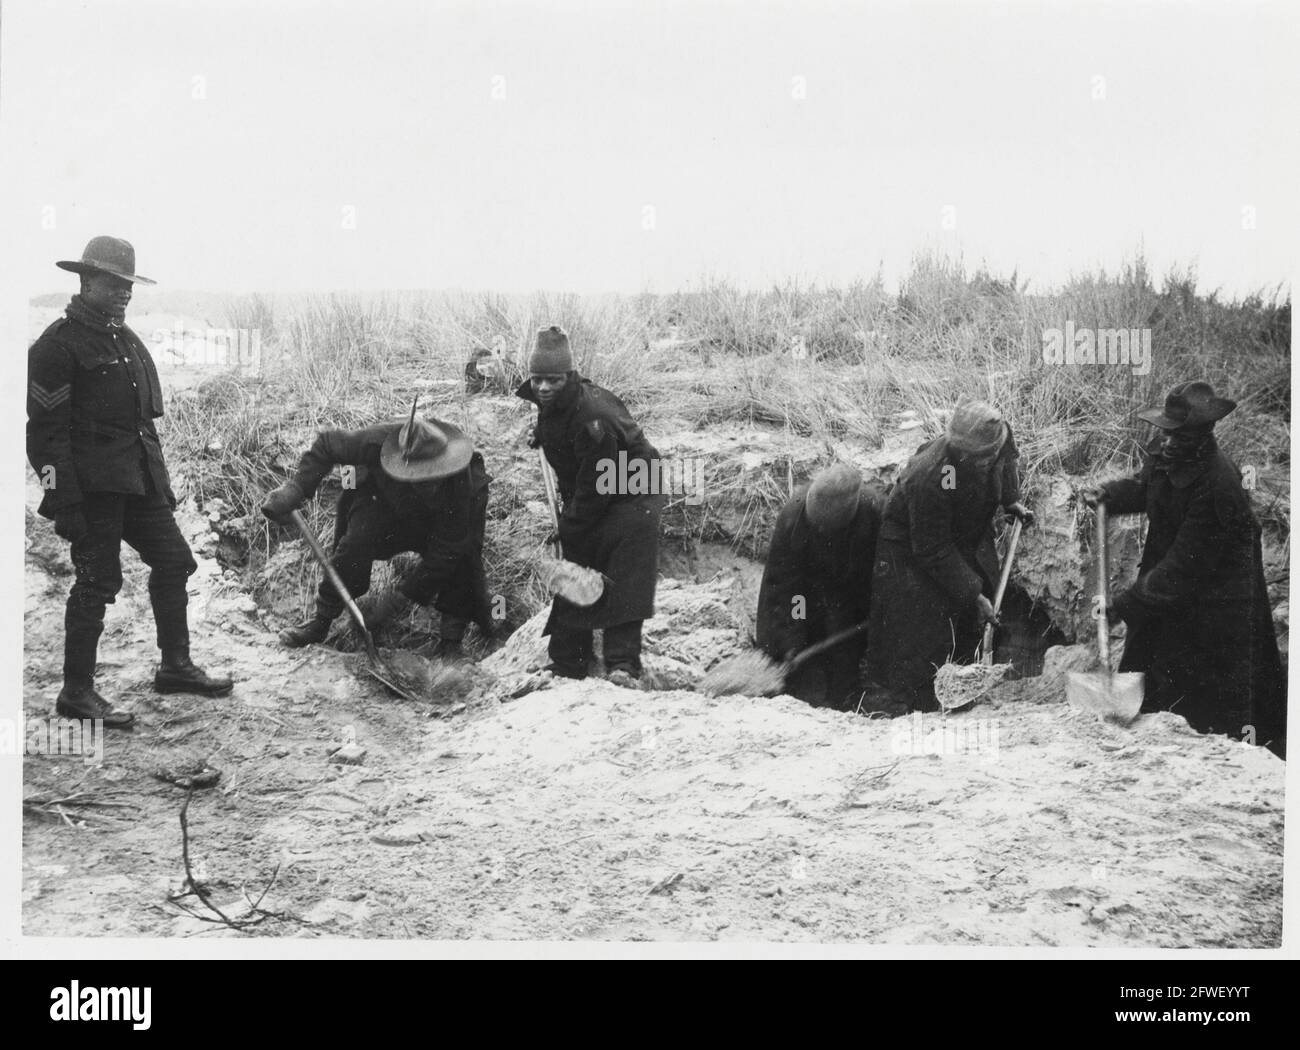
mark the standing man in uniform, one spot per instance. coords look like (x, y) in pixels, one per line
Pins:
(595, 446)
(92, 396)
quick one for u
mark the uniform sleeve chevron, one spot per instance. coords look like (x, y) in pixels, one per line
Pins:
(49, 399)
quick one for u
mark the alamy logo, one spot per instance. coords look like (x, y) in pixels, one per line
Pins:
(944, 736)
(639, 477)
(210, 347)
(54, 737)
(75, 1003)
(1098, 346)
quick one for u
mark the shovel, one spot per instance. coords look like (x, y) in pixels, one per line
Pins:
(576, 583)
(375, 666)
(1114, 697)
(986, 646)
(755, 674)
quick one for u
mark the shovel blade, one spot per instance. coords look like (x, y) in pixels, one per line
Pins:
(1112, 697)
(745, 674)
(579, 585)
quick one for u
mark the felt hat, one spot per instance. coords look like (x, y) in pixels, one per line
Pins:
(107, 255)
(424, 450)
(1191, 404)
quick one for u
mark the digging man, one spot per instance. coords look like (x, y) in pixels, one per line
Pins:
(92, 397)
(613, 528)
(1199, 622)
(817, 582)
(936, 566)
(420, 487)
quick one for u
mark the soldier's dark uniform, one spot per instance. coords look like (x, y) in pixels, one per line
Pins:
(443, 520)
(615, 532)
(92, 397)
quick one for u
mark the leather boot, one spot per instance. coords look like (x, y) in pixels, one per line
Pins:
(178, 674)
(309, 632)
(79, 699)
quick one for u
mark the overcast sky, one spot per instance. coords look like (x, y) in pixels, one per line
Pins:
(516, 147)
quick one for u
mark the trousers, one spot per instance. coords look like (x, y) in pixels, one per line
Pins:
(148, 525)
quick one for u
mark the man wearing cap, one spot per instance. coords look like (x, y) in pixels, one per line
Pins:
(586, 432)
(92, 397)
(817, 582)
(1200, 626)
(936, 565)
(420, 487)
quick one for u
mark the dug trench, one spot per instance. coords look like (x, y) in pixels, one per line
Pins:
(587, 811)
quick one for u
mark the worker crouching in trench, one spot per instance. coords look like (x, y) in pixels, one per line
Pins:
(817, 582)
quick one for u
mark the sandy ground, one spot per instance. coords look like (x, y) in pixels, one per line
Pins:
(586, 811)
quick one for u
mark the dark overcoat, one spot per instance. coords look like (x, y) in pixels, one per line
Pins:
(1200, 626)
(934, 557)
(814, 585)
(585, 433)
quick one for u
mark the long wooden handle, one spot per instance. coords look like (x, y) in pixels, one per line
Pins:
(548, 480)
(1103, 587)
(826, 643)
(1006, 564)
(986, 646)
(336, 579)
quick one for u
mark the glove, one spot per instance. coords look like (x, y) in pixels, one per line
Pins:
(1116, 610)
(1093, 494)
(984, 610)
(282, 502)
(70, 523)
(1022, 512)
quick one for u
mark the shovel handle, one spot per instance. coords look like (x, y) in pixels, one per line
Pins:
(1103, 586)
(986, 647)
(826, 643)
(548, 480)
(336, 580)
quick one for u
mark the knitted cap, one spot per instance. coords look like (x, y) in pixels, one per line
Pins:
(976, 428)
(551, 356)
(832, 498)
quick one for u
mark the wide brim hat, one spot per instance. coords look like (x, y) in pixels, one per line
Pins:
(1193, 404)
(425, 449)
(107, 255)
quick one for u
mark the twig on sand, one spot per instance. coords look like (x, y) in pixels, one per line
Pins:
(885, 770)
(53, 808)
(193, 888)
(555, 845)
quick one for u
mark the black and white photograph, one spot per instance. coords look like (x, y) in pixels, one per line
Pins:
(648, 480)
